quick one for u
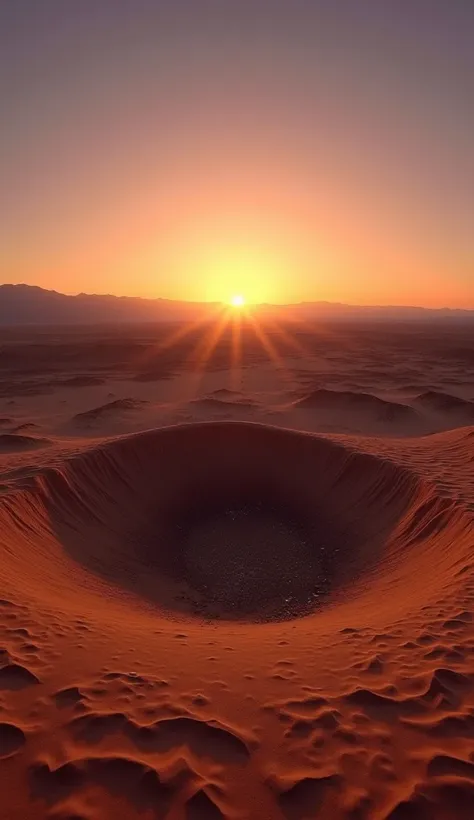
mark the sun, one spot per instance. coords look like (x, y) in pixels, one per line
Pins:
(237, 300)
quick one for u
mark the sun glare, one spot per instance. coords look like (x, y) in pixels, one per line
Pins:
(237, 300)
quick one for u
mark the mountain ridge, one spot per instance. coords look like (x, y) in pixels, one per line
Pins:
(24, 304)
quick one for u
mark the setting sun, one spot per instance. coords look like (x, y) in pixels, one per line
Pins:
(237, 300)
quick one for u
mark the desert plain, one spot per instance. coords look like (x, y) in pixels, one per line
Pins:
(237, 572)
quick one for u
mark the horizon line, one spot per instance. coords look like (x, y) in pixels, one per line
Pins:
(207, 302)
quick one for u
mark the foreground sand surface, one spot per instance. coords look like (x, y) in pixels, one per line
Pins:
(237, 573)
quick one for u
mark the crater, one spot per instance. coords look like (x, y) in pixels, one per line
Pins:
(232, 521)
(248, 538)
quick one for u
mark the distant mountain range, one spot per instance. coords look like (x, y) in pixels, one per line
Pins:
(30, 305)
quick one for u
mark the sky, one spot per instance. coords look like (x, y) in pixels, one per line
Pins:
(286, 150)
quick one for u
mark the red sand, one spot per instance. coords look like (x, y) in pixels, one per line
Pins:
(345, 689)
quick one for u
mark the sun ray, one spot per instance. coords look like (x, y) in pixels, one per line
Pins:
(204, 349)
(177, 335)
(236, 353)
(272, 352)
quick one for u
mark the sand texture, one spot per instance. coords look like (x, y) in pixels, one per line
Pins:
(237, 573)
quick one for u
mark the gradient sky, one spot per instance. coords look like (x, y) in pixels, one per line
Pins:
(285, 149)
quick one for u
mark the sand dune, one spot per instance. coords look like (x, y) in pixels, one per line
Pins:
(360, 411)
(423, 413)
(346, 400)
(215, 403)
(445, 403)
(237, 620)
(13, 441)
(106, 411)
